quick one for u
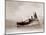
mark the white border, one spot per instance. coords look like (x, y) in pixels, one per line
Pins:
(2, 16)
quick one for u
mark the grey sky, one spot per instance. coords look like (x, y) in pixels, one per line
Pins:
(20, 10)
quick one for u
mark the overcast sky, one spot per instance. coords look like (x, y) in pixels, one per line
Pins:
(21, 10)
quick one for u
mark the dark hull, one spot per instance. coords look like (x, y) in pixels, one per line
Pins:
(23, 23)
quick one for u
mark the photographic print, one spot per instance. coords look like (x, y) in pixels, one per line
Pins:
(24, 17)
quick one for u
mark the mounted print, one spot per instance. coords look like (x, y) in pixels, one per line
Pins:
(24, 17)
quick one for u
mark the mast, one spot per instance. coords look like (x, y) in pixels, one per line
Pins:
(35, 15)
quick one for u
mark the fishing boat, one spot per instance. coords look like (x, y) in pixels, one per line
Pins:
(30, 21)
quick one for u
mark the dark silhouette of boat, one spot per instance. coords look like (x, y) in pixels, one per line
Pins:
(30, 20)
(24, 23)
